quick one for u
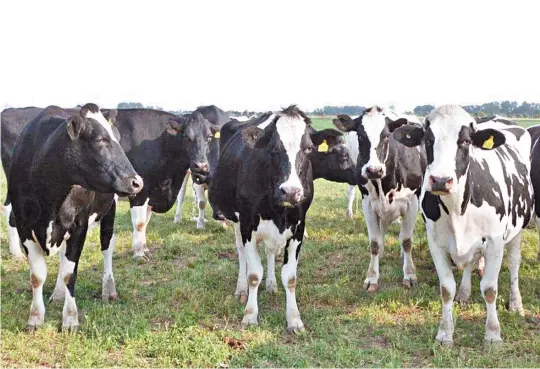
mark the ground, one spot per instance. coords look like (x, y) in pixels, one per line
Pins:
(178, 308)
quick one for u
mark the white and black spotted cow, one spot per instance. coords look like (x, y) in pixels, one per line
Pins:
(535, 175)
(56, 165)
(476, 198)
(389, 176)
(264, 184)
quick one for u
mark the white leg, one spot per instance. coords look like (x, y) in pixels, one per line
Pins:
(514, 260)
(201, 203)
(376, 241)
(59, 293)
(108, 287)
(13, 237)
(464, 291)
(351, 193)
(288, 278)
(38, 275)
(255, 275)
(139, 219)
(271, 283)
(70, 313)
(405, 238)
(180, 199)
(241, 285)
(489, 287)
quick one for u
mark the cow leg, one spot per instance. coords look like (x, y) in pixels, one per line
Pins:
(464, 291)
(538, 229)
(489, 287)
(180, 199)
(107, 239)
(514, 261)
(405, 236)
(201, 203)
(13, 236)
(351, 192)
(446, 282)
(288, 278)
(38, 275)
(59, 293)
(255, 274)
(241, 285)
(68, 267)
(376, 241)
(140, 216)
(271, 283)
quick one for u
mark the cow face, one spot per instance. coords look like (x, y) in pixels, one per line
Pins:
(330, 158)
(190, 136)
(285, 146)
(97, 159)
(373, 128)
(449, 134)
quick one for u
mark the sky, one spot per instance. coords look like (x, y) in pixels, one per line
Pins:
(266, 55)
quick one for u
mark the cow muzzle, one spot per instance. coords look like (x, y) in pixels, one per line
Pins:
(374, 172)
(200, 172)
(441, 185)
(133, 185)
(291, 194)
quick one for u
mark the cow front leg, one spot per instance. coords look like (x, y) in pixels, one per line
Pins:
(59, 293)
(255, 275)
(351, 192)
(241, 284)
(376, 242)
(489, 288)
(140, 216)
(514, 261)
(14, 241)
(180, 199)
(38, 275)
(271, 283)
(289, 279)
(464, 292)
(405, 238)
(108, 239)
(201, 203)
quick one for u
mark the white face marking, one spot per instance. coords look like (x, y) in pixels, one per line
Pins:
(101, 120)
(374, 123)
(290, 132)
(265, 124)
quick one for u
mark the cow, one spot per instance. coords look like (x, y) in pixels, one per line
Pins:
(534, 131)
(217, 117)
(264, 184)
(389, 176)
(476, 198)
(58, 166)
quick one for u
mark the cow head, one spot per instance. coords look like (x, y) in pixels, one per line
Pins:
(285, 146)
(190, 136)
(96, 158)
(373, 128)
(449, 134)
(330, 158)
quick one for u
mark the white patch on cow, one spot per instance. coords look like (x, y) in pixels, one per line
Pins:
(92, 221)
(108, 287)
(13, 237)
(265, 124)
(180, 199)
(200, 198)
(98, 117)
(38, 275)
(241, 284)
(53, 249)
(374, 123)
(290, 132)
(140, 216)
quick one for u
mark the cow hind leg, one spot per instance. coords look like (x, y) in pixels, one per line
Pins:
(108, 239)
(241, 284)
(514, 261)
(271, 283)
(405, 238)
(200, 197)
(464, 292)
(489, 288)
(140, 216)
(59, 292)
(350, 196)
(14, 241)
(376, 242)
(180, 199)
(255, 275)
(289, 279)
(38, 275)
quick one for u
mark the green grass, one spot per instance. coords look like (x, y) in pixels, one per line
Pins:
(178, 309)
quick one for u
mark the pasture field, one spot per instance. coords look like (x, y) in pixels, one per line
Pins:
(178, 308)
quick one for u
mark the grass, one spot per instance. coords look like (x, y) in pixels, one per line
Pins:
(178, 308)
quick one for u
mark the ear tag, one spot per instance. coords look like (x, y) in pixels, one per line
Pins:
(111, 122)
(323, 147)
(216, 135)
(488, 144)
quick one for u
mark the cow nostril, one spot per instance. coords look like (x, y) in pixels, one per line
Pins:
(135, 183)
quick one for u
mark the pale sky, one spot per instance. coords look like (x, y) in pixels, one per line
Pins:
(264, 55)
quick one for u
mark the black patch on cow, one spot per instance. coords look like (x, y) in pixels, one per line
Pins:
(430, 206)
(462, 153)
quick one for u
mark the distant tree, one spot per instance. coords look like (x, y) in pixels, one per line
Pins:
(423, 110)
(130, 105)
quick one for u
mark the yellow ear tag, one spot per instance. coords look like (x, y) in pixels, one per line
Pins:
(111, 122)
(488, 144)
(216, 135)
(323, 147)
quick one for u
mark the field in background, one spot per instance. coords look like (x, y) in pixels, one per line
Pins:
(178, 308)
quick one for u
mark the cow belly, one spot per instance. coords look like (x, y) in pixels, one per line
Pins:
(274, 240)
(391, 205)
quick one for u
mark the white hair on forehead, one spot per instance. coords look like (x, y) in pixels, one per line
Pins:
(290, 130)
(451, 114)
(98, 117)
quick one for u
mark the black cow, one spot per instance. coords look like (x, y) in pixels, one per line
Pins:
(217, 117)
(264, 184)
(535, 175)
(389, 176)
(57, 163)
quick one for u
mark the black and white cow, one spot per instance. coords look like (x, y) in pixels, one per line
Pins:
(217, 117)
(264, 184)
(534, 131)
(389, 176)
(162, 147)
(56, 165)
(476, 198)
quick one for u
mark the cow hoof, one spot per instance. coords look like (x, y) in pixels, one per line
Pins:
(516, 307)
(70, 329)
(493, 344)
(410, 283)
(200, 226)
(349, 213)
(223, 224)
(296, 329)
(58, 295)
(241, 296)
(250, 319)
(31, 328)
(271, 287)
(444, 343)
(177, 219)
(107, 298)
(371, 287)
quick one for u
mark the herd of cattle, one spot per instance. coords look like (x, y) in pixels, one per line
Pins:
(472, 180)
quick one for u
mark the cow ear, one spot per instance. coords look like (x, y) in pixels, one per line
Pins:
(395, 124)
(173, 127)
(344, 123)
(409, 135)
(330, 137)
(75, 125)
(488, 139)
(111, 116)
(215, 129)
(255, 137)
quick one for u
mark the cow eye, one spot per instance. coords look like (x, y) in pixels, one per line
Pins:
(465, 142)
(101, 141)
(308, 149)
